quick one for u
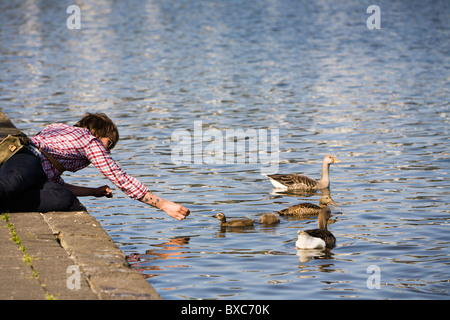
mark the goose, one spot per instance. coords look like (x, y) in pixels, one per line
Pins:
(233, 222)
(306, 209)
(296, 181)
(269, 218)
(317, 238)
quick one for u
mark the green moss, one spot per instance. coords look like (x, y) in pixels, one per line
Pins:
(26, 257)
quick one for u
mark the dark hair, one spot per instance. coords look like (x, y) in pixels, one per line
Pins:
(100, 126)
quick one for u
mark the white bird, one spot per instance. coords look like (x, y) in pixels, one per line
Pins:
(317, 238)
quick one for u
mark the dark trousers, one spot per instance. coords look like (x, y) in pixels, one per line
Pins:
(24, 186)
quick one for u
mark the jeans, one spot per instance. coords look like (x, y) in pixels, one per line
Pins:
(24, 186)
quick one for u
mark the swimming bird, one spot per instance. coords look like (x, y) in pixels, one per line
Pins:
(317, 238)
(296, 181)
(269, 218)
(233, 222)
(306, 209)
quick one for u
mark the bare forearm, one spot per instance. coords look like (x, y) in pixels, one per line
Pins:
(171, 208)
(152, 200)
(80, 191)
(103, 191)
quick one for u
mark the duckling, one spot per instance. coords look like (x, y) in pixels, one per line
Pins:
(233, 222)
(306, 209)
(317, 238)
(269, 218)
(296, 181)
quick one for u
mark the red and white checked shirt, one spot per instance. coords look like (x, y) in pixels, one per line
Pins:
(75, 148)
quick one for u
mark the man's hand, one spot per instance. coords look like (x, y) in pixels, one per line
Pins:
(171, 208)
(103, 191)
(175, 210)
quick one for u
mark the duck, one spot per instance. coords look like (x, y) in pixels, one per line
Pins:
(296, 181)
(317, 238)
(306, 209)
(269, 218)
(233, 222)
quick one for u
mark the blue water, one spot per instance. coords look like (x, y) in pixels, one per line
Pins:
(377, 99)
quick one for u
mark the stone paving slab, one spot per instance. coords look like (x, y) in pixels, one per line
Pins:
(49, 261)
(103, 263)
(16, 277)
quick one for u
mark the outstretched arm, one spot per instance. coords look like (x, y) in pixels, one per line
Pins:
(131, 186)
(171, 208)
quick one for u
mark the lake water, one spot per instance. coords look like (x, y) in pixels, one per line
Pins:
(311, 71)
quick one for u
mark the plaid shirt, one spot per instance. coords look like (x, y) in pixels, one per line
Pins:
(75, 148)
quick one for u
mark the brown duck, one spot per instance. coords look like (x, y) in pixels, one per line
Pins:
(317, 238)
(296, 181)
(233, 222)
(306, 209)
(269, 218)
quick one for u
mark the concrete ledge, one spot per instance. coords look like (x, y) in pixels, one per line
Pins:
(100, 260)
(47, 265)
